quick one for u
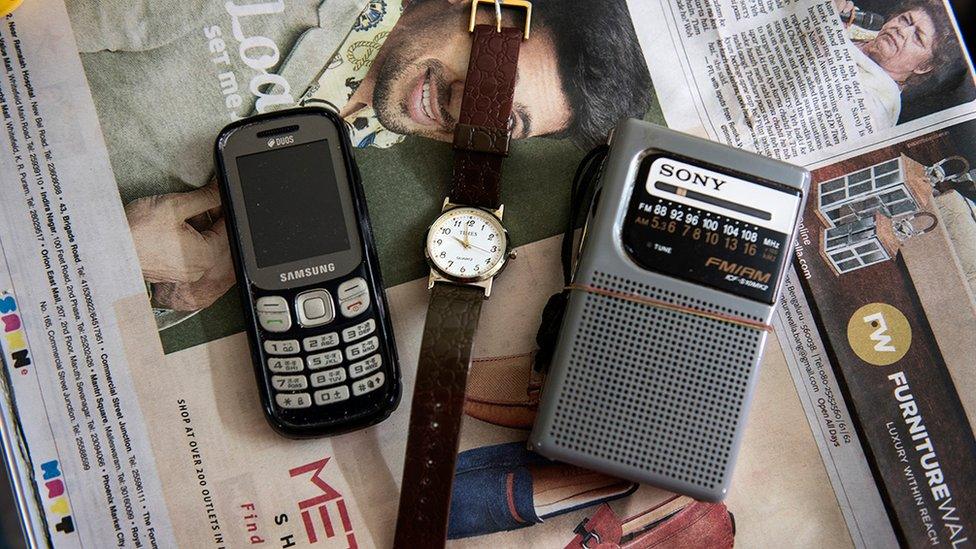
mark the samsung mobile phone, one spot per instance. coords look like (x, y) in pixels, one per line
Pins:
(317, 318)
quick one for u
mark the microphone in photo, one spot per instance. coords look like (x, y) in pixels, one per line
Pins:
(865, 19)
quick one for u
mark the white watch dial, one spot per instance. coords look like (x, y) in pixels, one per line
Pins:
(466, 243)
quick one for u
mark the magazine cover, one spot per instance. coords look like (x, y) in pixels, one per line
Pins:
(367, 64)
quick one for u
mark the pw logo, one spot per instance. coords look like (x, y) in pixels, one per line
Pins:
(879, 334)
(880, 337)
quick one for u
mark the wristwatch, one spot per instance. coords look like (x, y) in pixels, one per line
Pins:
(466, 247)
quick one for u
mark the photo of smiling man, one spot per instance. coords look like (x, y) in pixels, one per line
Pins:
(394, 69)
(907, 56)
(401, 71)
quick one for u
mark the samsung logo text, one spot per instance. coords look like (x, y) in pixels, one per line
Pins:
(298, 274)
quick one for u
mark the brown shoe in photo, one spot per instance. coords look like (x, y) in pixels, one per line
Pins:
(503, 391)
(677, 523)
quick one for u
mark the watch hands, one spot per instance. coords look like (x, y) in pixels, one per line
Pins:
(468, 245)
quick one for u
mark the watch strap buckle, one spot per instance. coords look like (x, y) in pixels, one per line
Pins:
(521, 4)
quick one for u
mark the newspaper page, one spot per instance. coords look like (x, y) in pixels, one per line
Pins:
(131, 416)
(795, 80)
(877, 98)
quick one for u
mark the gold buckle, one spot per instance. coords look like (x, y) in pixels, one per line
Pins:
(498, 13)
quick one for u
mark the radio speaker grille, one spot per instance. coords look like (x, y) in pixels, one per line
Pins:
(655, 389)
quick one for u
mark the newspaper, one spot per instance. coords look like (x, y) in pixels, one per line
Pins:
(130, 413)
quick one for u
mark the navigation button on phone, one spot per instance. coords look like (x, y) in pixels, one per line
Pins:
(363, 348)
(324, 360)
(293, 400)
(288, 365)
(331, 396)
(359, 331)
(273, 314)
(368, 384)
(314, 308)
(281, 347)
(328, 377)
(321, 341)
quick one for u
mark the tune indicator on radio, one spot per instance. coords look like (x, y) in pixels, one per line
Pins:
(708, 235)
(711, 229)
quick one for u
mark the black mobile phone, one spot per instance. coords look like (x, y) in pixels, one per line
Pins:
(318, 323)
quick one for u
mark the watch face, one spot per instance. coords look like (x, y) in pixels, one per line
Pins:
(467, 244)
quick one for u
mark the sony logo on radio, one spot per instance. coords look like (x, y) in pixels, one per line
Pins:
(307, 271)
(691, 176)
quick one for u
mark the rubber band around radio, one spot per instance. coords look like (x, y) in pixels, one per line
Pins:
(731, 319)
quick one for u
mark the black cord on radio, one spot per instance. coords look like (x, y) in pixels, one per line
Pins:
(587, 174)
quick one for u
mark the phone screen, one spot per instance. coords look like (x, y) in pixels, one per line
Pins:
(291, 196)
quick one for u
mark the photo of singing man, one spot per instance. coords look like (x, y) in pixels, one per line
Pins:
(908, 58)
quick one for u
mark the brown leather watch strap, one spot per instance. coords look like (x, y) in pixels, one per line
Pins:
(435, 415)
(482, 133)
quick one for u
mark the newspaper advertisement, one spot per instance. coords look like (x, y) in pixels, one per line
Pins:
(876, 98)
(131, 415)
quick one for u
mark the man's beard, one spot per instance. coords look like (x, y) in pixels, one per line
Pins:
(392, 113)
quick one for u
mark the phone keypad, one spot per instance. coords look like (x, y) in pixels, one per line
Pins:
(324, 360)
(281, 347)
(331, 396)
(368, 384)
(289, 383)
(363, 367)
(358, 331)
(353, 297)
(314, 308)
(286, 365)
(293, 400)
(363, 348)
(273, 313)
(328, 377)
(322, 341)
(337, 365)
